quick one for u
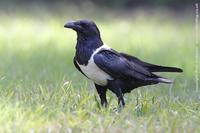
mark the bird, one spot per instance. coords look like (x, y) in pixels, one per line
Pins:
(111, 70)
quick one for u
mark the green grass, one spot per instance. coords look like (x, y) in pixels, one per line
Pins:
(41, 91)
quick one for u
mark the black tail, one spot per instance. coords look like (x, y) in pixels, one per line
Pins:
(165, 80)
(155, 68)
(160, 79)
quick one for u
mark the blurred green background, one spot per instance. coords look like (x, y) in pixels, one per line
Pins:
(112, 3)
(41, 91)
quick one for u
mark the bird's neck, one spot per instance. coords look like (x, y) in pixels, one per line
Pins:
(85, 47)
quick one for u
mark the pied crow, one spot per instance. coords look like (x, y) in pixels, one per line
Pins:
(109, 69)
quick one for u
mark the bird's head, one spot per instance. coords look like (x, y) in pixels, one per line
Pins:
(84, 28)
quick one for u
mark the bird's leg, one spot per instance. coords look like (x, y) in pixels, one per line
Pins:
(121, 102)
(115, 87)
(102, 94)
(119, 95)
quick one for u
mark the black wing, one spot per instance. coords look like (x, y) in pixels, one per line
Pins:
(119, 67)
(76, 65)
(151, 67)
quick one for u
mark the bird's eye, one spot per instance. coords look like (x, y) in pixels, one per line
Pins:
(84, 24)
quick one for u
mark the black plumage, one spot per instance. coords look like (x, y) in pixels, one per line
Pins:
(109, 69)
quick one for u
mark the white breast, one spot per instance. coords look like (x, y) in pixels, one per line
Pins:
(93, 72)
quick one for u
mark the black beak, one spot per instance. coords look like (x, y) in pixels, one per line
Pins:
(70, 25)
(73, 25)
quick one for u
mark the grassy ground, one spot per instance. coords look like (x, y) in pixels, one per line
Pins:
(41, 91)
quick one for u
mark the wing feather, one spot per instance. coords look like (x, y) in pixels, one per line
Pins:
(119, 67)
(149, 66)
